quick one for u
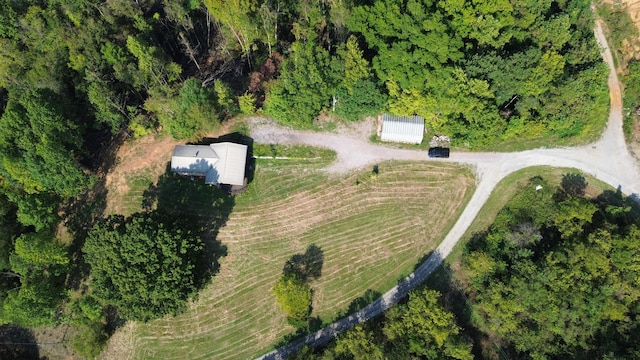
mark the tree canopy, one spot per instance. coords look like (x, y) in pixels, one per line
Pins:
(294, 297)
(143, 266)
(556, 274)
(419, 328)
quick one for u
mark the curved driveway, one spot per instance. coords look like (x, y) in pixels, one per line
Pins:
(607, 159)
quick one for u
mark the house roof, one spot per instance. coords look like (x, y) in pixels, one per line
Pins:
(231, 162)
(406, 129)
(221, 163)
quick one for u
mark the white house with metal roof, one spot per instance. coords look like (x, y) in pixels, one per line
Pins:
(404, 129)
(221, 163)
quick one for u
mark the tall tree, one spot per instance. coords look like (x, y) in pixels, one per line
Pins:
(143, 267)
(567, 290)
(294, 297)
(40, 145)
(422, 327)
(304, 86)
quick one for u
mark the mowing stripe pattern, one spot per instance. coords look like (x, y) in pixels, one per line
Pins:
(372, 230)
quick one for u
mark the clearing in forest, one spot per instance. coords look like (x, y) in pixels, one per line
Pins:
(371, 228)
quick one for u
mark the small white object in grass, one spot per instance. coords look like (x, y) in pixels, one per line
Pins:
(538, 187)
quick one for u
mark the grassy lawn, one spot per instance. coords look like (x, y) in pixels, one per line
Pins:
(450, 278)
(372, 230)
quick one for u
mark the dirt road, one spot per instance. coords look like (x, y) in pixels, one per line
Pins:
(607, 159)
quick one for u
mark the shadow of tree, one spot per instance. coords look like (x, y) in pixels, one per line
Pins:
(194, 206)
(619, 208)
(456, 301)
(305, 266)
(82, 213)
(572, 184)
(18, 343)
(360, 302)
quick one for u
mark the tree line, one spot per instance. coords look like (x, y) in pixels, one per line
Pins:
(418, 328)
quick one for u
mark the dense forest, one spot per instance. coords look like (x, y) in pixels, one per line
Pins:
(78, 76)
(554, 277)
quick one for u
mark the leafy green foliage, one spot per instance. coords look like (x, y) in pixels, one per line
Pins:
(38, 145)
(364, 100)
(225, 99)
(38, 210)
(32, 304)
(247, 104)
(153, 66)
(39, 263)
(10, 229)
(142, 265)
(422, 327)
(189, 114)
(632, 86)
(555, 276)
(91, 340)
(303, 88)
(358, 344)
(292, 291)
(419, 328)
(483, 73)
(294, 297)
(38, 252)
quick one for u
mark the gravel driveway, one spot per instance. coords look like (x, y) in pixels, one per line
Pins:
(608, 159)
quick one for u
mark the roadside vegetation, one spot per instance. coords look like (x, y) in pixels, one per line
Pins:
(624, 39)
(419, 327)
(556, 274)
(293, 152)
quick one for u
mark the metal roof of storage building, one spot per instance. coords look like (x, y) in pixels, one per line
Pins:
(221, 163)
(405, 129)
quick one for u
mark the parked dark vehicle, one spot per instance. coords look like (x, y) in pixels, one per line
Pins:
(438, 152)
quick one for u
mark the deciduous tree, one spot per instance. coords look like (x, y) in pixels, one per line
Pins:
(143, 267)
(294, 297)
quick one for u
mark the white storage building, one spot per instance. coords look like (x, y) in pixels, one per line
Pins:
(404, 129)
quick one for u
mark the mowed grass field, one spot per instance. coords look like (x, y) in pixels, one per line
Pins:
(372, 230)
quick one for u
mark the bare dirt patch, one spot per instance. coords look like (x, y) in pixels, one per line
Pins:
(149, 153)
(633, 7)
